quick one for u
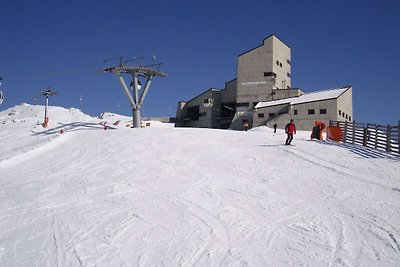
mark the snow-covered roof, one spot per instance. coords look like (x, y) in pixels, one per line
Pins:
(311, 97)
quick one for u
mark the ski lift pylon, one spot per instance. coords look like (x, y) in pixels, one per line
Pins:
(1, 92)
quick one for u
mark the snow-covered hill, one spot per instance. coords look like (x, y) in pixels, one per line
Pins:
(193, 197)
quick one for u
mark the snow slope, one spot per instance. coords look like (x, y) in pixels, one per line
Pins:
(194, 197)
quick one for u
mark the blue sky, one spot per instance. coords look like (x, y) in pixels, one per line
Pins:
(62, 44)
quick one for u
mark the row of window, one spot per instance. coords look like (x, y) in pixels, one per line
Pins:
(280, 63)
(344, 115)
(269, 74)
(310, 112)
(273, 74)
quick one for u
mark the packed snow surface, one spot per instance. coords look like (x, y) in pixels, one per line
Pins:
(164, 196)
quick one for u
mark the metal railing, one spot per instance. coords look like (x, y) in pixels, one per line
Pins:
(379, 137)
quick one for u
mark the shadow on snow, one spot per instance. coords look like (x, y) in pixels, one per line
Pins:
(73, 126)
(364, 152)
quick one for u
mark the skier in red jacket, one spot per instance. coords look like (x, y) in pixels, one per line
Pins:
(290, 128)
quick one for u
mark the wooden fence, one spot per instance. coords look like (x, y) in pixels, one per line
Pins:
(380, 137)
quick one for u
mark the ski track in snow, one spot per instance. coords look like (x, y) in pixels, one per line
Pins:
(194, 197)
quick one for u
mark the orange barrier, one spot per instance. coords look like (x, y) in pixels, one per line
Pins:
(334, 133)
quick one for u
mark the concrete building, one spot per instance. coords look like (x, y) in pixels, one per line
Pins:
(334, 104)
(263, 76)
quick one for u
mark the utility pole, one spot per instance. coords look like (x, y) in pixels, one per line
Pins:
(146, 72)
(80, 102)
(47, 93)
(1, 92)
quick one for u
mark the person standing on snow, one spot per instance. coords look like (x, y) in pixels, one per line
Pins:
(245, 125)
(275, 125)
(316, 132)
(290, 129)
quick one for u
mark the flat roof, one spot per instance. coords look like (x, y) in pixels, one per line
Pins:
(310, 97)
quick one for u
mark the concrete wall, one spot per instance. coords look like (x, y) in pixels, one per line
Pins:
(302, 119)
(280, 121)
(237, 122)
(345, 105)
(252, 85)
(215, 110)
(230, 91)
(281, 62)
(207, 114)
(280, 117)
(181, 111)
(286, 93)
(305, 121)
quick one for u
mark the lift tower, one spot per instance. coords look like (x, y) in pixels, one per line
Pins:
(147, 72)
(47, 93)
(1, 93)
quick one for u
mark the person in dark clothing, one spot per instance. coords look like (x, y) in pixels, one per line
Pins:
(245, 125)
(275, 127)
(316, 132)
(290, 129)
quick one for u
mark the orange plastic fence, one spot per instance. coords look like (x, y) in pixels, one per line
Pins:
(334, 133)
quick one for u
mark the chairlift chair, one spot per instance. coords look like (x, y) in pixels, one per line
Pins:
(138, 82)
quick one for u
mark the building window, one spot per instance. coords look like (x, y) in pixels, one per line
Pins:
(311, 111)
(295, 112)
(242, 104)
(269, 74)
(277, 62)
(193, 113)
(288, 74)
(322, 111)
(261, 115)
(346, 117)
(349, 118)
(288, 61)
(280, 64)
(271, 115)
(340, 112)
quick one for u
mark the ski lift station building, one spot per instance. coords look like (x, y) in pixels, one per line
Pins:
(262, 94)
